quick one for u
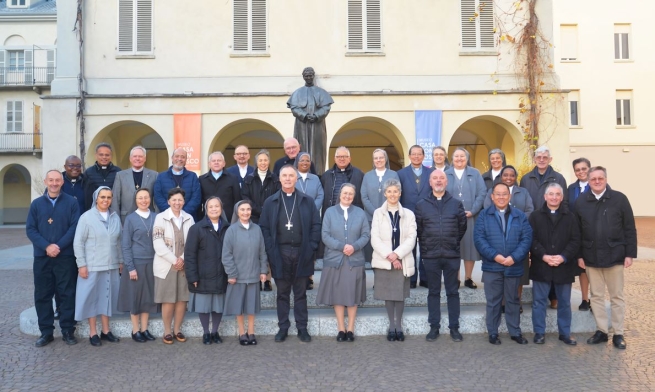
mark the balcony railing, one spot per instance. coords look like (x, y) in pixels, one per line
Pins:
(26, 76)
(20, 142)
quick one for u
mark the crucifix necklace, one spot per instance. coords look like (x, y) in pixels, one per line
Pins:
(289, 225)
(144, 224)
(394, 220)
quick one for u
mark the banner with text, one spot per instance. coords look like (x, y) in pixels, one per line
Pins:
(187, 129)
(428, 131)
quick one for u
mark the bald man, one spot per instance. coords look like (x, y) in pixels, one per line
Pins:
(291, 150)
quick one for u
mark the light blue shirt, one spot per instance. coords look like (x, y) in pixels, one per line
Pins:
(217, 175)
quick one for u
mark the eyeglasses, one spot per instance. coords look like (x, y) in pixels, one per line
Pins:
(597, 179)
(74, 166)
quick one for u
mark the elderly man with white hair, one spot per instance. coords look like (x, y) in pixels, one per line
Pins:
(128, 181)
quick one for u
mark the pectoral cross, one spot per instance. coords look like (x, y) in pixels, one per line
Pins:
(418, 180)
(460, 194)
(394, 229)
(289, 225)
(345, 226)
(50, 221)
(137, 186)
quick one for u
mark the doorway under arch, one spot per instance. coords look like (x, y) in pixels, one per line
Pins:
(364, 135)
(16, 194)
(123, 136)
(481, 134)
(255, 134)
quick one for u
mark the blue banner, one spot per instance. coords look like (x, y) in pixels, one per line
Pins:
(428, 131)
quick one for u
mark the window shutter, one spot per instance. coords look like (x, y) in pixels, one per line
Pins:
(125, 25)
(486, 23)
(259, 25)
(2, 67)
(469, 22)
(10, 116)
(373, 25)
(240, 25)
(29, 68)
(144, 25)
(355, 24)
(50, 63)
(18, 116)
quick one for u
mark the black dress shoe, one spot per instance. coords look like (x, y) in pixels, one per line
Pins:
(216, 338)
(400, 336)
(146, 334)
(433, 334)
(584, 306)
(539, 338)
(267, 286)
(44, 340)
(281, 335)
(350, 336)
(310, 284)
(109, 337)
(391, 336)
(341, 336)
(138, 337)
(57, 314)
(494, 339)
(243, 339)
(619, 342)
(303, 335)
(252, 340)
(412, 285)
(520, 309)
(69, 338)
(95, 340)
(568, 340)
(599, 337)
(519, 339)
(206, 338)
(455, 335)
(423, 284)
(470, 284)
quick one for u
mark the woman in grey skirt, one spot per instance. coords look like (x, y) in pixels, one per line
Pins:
(466, 184)
(393, 236)
(137, 293)
(246, 264)
(99, 261)
(345, 232)
(204, 268)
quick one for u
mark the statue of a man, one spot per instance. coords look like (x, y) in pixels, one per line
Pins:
(310, 105)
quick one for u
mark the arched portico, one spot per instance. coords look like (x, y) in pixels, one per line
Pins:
(16, 191)
(255, 134)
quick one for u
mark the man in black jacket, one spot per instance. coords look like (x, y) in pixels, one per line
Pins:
(291, 227)
(102, 173)
(609, 243)
(555, 246)
(341, 173)
(220, 183)
(441, 224)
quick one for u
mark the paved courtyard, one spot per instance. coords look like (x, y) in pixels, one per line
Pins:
(369, 364)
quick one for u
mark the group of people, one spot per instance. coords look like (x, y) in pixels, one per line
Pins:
(141, 242)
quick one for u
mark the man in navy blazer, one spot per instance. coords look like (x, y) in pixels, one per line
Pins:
(241, 169)
(415, 181)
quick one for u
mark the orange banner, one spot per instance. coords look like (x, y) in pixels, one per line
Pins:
(187, 129)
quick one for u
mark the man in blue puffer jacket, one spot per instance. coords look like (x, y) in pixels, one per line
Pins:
(503, 237)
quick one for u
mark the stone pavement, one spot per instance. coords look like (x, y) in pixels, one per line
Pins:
(369, 364)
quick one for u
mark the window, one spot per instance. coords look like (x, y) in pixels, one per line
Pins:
(250, 26)
(574, 108)
(624, 107)
(14, 116)
(135, 27)
(477, 17)
(364, 26)
(18, 3)
(16, 59)
(568, 42)
(622, 42)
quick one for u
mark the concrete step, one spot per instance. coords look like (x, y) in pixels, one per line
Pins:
(322, 322)
(418, 296)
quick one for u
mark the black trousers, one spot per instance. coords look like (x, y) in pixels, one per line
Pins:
(449, 268)
(289, 281)
(55, 275)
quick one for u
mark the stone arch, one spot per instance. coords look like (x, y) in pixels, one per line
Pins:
(481, 134)
(365, 134)
(16, 189)
(254, 133)
(122, 136)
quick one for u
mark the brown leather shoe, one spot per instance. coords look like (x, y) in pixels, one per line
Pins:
(180, 337)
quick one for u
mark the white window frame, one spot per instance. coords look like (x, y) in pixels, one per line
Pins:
(480, 28)
(574, 101)
(133, 15)
(624, 97)
(16, 56)
(569, 50)
(13, 123)
(364, 28)
(621, 31)
(17, 3)
(249, 37)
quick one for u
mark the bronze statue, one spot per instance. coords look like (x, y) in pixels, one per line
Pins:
(310, 105)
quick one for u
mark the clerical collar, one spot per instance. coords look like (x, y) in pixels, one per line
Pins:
(177, 173)
(553, 211)
(288, 194)
(501, 211)
(103, 167)
(137, 170)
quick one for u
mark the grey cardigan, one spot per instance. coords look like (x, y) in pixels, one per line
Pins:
(312, 188)
(136, 240)
(372, 199)
(98, 247)
(335, 237)
(244, 254)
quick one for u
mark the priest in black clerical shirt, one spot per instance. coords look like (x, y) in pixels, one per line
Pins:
(291, 226)
(128, 181)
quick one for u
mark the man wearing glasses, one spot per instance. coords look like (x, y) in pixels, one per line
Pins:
(341, 173)
(242, 168)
